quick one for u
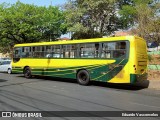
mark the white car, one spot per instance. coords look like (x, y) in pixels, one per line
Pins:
(5, 66)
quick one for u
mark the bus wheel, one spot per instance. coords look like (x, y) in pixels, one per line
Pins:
(27, 72)
(83, 77)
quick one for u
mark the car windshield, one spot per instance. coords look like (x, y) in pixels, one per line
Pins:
(5, 62)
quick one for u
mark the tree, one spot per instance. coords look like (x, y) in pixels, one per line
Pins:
(148, 21)
(122, 3)
(144, 16)
(5, 46)
(23, 23)
(127, 13)
(91, 17)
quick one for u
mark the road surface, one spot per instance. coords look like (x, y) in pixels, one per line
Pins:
(52, 94)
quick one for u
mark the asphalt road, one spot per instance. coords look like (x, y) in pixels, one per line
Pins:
(52, 94)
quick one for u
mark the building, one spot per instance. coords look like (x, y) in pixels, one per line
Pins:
(123, 33)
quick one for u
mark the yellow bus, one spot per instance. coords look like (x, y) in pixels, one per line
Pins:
(114, 59)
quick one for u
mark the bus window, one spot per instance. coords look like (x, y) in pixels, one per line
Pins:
(107, 49)
(120, 51)
(73, 51)
(119, 54)
(66, 51)
(97, 50)
(26, 52)
(48, 52)
(17, 52)
(90, 50)
(69, 51)
(38, 52)
(121, 45)
(114, 50)
(56, 52)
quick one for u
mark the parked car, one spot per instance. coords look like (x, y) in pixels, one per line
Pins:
(5, 59)
(5, 66)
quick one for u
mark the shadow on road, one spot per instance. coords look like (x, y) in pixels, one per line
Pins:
(138, 86)
(56, 79)
(1, 80)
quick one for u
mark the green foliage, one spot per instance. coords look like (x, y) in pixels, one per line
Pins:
(150, 58)
(86, 35)
(83, 16)
(127, 16)
(23, 23)
(130, 10)
(5, 45)
(122, 3)
(144, 16)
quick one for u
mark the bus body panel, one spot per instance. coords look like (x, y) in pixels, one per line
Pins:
(117, 70)
(138, 60)
(100, 70)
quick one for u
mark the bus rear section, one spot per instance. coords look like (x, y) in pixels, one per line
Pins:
(139, 64)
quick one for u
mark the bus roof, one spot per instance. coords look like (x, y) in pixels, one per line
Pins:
(120, 38)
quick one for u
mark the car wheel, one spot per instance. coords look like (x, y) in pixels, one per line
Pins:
(83, 77)
(9, 71)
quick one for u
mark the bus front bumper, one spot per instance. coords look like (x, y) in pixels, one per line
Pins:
(134, 78)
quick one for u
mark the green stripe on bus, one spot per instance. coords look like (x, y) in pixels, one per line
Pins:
(102, 72)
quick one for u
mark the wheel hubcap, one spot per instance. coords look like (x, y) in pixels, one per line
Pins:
(83, 77)
(27, 73)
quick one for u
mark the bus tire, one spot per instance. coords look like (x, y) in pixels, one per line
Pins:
(83, 77)
(27, 72)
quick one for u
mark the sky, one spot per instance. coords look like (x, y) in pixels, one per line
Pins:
(37, 2)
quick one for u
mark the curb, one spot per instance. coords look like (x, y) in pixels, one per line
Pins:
(155, 84)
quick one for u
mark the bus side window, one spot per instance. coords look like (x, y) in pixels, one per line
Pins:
(120, 51)
(48, 52)
(37, 52)
(73, 51)
(122, 45)
(26, 52)
(56, 51)
(106, 50)
(68, 51)
(114, 50)
(97, 52)
(87, 50)
(65, 51)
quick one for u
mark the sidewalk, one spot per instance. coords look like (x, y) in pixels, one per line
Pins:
(154, 78)
(155, 84)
